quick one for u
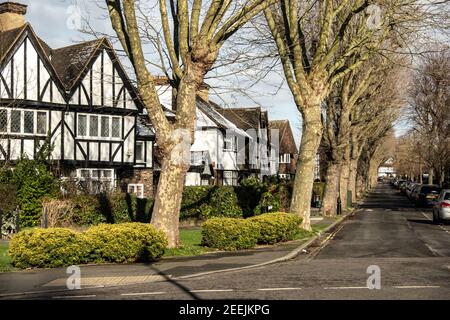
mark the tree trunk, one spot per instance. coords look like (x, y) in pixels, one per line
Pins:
(166, 211)
(344, 176)
(176, 157)
(352, 178)
(304, 177)
(331, 190)
(430, 176)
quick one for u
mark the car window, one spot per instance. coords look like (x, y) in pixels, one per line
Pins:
(446, 196)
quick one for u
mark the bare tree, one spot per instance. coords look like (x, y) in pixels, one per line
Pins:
(430, 112)
(193, 34)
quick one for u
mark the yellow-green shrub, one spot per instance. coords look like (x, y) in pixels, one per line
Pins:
(48, 248)
(57, 247)
(276, 227)
(229, 233)
(126, 242)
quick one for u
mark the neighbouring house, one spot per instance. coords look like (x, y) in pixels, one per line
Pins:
(78, 98)
(230, 143)
(288, 152)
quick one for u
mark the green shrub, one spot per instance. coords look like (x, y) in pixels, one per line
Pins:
(229, 233)
(195, 202)
(48, 248)
(57, 247)
(249, 194)
(126, 242)
(224, 203)
(276, 227)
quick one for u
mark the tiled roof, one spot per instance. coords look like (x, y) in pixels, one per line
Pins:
(244, 118)
(70, 62)
(287, 141)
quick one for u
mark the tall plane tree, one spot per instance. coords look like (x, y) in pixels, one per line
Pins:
(193, 34)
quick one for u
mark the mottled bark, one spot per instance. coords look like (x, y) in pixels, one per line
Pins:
(304, 177)
(344, 175)
(331, 190)
(352, 178)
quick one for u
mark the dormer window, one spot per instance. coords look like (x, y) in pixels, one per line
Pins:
(230, 144)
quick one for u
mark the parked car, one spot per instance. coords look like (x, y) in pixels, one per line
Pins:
(402, 186)
(441, 208)
(414, 191)
(426, 195)
(409, 189)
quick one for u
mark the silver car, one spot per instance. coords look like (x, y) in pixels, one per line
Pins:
(441, 208)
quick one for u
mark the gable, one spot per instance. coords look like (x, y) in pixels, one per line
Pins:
(104, 84)
(27, 75)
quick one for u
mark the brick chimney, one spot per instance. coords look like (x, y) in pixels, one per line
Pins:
(12, 15)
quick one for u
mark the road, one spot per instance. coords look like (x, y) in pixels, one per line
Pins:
(412, 254)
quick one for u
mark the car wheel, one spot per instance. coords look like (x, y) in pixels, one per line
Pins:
(435, 217)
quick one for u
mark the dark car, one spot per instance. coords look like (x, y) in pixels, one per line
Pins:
(426, 195)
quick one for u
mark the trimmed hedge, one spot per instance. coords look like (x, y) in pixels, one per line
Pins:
(276, 227)
(235, 233)
(126, 242)
(229, 233)
(48, 248)
(57, 247)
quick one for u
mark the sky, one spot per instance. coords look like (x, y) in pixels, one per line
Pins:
(57, 23)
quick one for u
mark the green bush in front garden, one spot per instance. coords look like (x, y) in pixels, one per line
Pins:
(276, 227)
(48, 248)
(57, 247)
(126, 242)
(235, 233)
(229, 233)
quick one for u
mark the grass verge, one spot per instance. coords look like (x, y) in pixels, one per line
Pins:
(5, 260)
(190, 244)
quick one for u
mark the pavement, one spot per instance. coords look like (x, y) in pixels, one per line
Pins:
(387, 249)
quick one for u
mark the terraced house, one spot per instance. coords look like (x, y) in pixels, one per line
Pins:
(79, 99)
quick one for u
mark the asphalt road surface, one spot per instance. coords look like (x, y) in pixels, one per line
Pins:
(387, 235)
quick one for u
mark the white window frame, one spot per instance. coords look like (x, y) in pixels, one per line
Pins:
(99, 128)
(22, 122)
(232, 143)
(111, 180)
(132, 188)
(285, 158)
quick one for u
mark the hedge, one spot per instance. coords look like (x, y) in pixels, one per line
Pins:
(48, 248)
(89, 210)
(57, 247)
(229, 233)
(126, 242)
(235, 233)
(276, 227)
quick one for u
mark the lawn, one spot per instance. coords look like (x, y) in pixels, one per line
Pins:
(5, 261)
(190, 244)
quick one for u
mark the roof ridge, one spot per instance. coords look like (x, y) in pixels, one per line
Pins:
(80, 43)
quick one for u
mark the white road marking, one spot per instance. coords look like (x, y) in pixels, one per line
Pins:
(74, 297)
(344, 288)
(142, 293)
(369, 210)
(278, 289)
(213, 290)
(316, 219)
(415, 287)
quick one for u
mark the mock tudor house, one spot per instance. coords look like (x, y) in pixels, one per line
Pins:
(78, 98)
